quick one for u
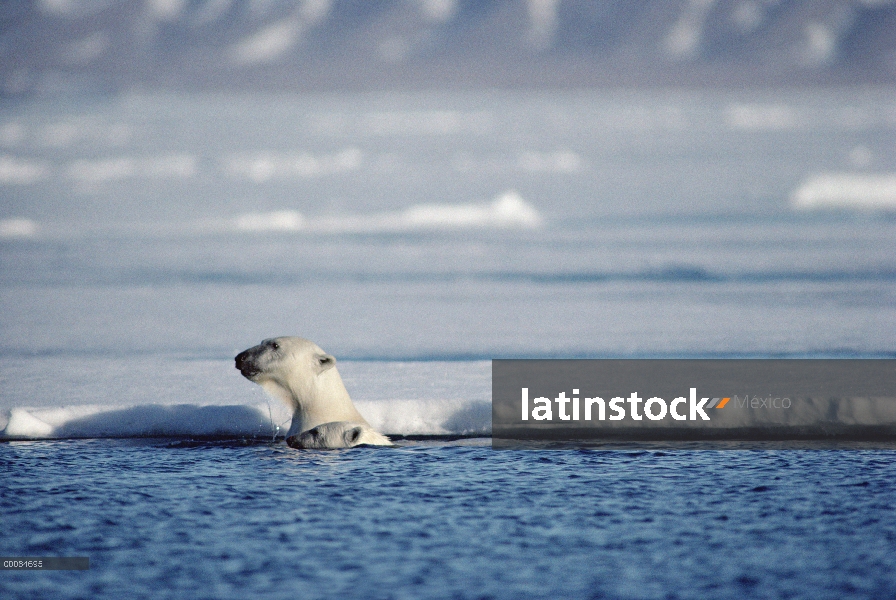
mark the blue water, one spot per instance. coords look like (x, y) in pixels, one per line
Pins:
(448, 520)
(667, 229)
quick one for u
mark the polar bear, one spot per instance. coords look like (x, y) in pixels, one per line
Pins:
(339, 434)
(299, 373)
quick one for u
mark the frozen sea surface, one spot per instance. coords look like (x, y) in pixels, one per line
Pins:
(140, 396)
(450, 226)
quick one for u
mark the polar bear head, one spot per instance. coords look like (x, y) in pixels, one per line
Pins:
(299, 373)
(277, 358)
(340, 434)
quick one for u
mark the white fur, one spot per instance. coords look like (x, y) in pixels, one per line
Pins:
(339, 434)
(299, 373)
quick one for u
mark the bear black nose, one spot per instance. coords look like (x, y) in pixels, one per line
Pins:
(245, 362)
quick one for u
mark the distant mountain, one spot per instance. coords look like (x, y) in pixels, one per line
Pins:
(75, 46)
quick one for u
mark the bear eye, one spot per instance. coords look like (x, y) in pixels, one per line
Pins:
(275, 345)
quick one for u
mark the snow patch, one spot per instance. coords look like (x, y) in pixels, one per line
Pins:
(283, 220)
(863, 191)
(19, 171)
(508, 210)
(264, 166)
(17, 228)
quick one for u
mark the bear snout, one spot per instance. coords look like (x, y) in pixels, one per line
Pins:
(245, 365)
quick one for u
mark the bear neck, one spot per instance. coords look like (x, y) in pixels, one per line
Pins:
(322, 399)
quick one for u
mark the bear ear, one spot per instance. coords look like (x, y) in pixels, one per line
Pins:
(354, 435)
(324, 362)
